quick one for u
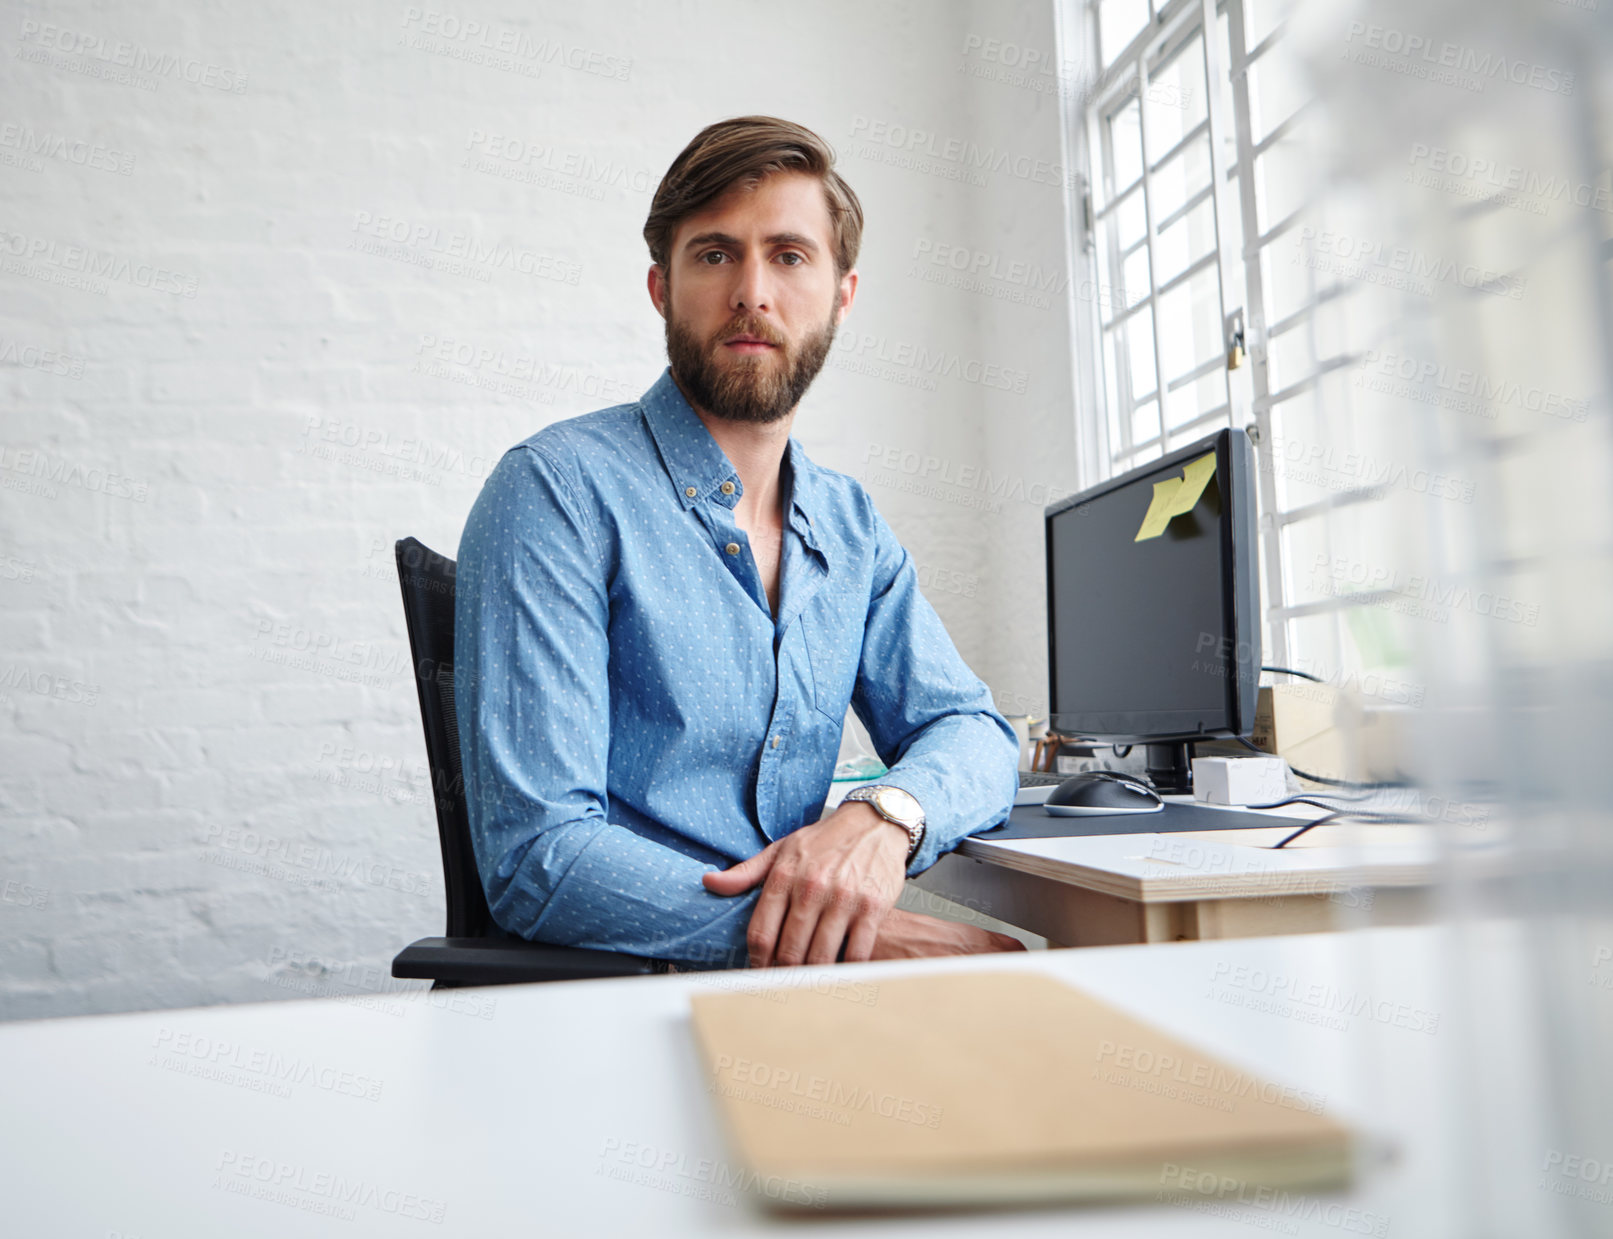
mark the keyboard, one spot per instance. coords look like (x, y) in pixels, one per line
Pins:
(1036, 778)
(1035, 786)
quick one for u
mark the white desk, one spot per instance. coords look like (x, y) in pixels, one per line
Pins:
(1112, 889)
(514, 1109)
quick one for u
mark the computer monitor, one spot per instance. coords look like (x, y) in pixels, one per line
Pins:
(1153, 601)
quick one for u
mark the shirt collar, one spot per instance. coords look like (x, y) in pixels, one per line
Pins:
(698, 467)
(803, 493)
(694, 462)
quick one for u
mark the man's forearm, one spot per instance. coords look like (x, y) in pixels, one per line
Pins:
(962, 769)
(598, 885)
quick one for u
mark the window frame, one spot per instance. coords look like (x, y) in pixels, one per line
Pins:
(1240, 286)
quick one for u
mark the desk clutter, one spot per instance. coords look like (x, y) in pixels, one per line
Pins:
(991, 1088)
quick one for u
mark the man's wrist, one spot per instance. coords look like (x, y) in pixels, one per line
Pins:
(861, 808)
(897, 806)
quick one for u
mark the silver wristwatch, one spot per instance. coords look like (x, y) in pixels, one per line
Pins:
(895, 805)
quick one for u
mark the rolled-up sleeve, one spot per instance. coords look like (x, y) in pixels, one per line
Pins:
(532, 693)
(930, 717)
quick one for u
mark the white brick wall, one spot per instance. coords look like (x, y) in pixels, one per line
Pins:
(200, 523)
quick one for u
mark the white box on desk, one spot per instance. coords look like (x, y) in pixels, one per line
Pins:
(1239, 780)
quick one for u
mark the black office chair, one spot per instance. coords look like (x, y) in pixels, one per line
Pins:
(476, 951)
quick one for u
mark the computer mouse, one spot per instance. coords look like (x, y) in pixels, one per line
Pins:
(1099, 792)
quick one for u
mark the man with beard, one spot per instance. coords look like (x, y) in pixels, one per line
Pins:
(664, 609)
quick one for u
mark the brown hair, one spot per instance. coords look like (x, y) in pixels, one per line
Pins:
(743, 150)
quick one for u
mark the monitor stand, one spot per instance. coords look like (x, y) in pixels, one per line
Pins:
(1170, 767)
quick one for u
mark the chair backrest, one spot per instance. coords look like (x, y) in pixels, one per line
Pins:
(427, 579)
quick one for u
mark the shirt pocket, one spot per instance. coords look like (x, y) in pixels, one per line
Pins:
(835, 651)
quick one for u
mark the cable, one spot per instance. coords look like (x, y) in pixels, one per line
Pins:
(1304, 675)
(1312, 800)
(1115, 748)
(1317, 778)
(1343, 813)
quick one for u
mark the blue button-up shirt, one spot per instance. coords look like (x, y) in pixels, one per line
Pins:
(632, 713)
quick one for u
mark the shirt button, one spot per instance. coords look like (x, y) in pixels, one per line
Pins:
(727, 488)
(775, 742)
(690, 491)
(732, 548)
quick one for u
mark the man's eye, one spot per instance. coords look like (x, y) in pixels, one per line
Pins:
(718, 254)
(798, 259)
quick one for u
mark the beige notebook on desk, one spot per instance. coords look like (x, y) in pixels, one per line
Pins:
(992, 1087)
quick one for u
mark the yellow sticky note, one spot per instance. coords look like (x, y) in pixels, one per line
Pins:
(1195, 477)
(1159, 511)
(1176, 496)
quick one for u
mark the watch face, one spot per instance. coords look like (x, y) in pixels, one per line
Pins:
(893, 802)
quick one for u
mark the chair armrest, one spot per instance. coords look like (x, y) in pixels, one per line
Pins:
(497, 961)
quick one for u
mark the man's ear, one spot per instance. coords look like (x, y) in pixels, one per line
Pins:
(847, 294)
(658, 288)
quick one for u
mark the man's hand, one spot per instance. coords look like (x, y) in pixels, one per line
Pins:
(831, 882)
(912, 935)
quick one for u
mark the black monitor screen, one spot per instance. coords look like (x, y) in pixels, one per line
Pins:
(1145, 599)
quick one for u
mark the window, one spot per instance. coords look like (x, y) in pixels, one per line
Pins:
(1166, 244)
(1201, 182)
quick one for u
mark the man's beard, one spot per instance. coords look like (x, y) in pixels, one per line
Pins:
(752, 388)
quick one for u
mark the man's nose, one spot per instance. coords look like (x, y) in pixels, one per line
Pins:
(752, 289)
